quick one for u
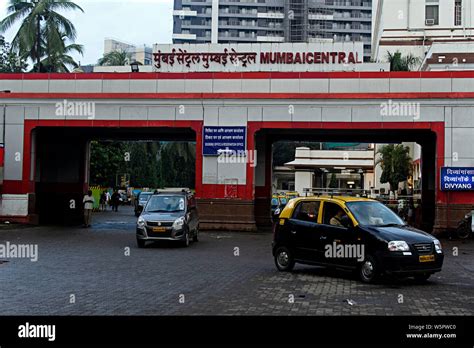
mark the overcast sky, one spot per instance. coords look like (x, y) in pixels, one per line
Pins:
(133, 21)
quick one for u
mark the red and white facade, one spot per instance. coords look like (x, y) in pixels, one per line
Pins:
(268, 104)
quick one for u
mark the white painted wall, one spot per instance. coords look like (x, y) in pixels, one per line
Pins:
(402, 20)
(457, 114)
(303, 179)
(14, 205)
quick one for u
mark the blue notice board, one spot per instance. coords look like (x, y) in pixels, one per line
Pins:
(218, 139)
(457, 178)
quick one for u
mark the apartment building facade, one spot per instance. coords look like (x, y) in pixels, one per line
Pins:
(439, 32)
(248, 21)
(142, 54)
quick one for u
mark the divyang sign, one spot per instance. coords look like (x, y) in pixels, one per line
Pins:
(217, 140)
(457, 179)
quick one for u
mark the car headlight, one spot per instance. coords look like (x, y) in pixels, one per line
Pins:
(141, 222)
(398, 245)
(178, 223)
(438, 247)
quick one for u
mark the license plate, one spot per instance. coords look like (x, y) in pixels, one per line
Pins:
(427, 258)
(159, 229)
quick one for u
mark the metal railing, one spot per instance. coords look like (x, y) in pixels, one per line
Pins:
(384, 198)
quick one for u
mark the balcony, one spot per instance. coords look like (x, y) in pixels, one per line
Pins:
(271, 15)
(318, 16)
(180, 36)
(270, 39)
(184, 13)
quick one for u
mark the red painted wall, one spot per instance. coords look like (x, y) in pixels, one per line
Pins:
(245, 192)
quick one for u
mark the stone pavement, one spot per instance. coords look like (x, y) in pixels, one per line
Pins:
(100, 271)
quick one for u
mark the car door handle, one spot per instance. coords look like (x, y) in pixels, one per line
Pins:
(293, 232)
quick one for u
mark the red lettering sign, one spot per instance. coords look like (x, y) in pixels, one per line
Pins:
(182, 57)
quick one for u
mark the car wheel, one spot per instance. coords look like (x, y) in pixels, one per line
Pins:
(195, 237)
(284, 260)
(368, 270)
(422, 277)
(141, 243)
(464, 231)
(186, 241)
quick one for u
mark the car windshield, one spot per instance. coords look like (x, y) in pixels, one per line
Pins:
(145, 197)
(165, 204)
(374, 214)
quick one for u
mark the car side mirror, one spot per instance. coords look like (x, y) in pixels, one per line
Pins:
(346, 221)
(276, 214)
(140, 208)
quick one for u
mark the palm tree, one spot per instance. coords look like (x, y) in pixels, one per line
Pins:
(115, 58)
(60, 60)
(400, 63)
(42, 27)
(396, 164)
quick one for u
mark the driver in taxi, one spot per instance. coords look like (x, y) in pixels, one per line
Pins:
(336, 219)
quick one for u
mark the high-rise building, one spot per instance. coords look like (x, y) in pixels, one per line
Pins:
(247, 21)
(142, 54)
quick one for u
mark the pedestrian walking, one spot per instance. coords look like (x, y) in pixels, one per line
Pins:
(115, 200)
(102, 201)
(88, 202)
(108, 198)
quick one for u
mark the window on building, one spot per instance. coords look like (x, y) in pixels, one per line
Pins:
(457, 12)
(432, 12)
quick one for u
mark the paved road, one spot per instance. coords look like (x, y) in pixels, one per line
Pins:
(92, 269)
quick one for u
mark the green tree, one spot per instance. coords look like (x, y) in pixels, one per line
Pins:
(115, 58)
(143, 164)
(106, 161)
(178, 164)
(402, 63)
(60, 59)
(42, 27)
(9, 61)
(396, 164)
(333, 181)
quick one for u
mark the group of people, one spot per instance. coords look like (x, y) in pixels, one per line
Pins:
(105, 199)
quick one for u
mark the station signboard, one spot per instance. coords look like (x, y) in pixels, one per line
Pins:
(257, 57)
(219, 140)
(457, 179)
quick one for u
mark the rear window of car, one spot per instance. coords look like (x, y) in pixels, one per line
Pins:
(307, 211)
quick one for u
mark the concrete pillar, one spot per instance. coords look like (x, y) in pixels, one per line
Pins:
(303, 179)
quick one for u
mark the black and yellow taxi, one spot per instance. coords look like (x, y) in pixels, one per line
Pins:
(353, 233)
